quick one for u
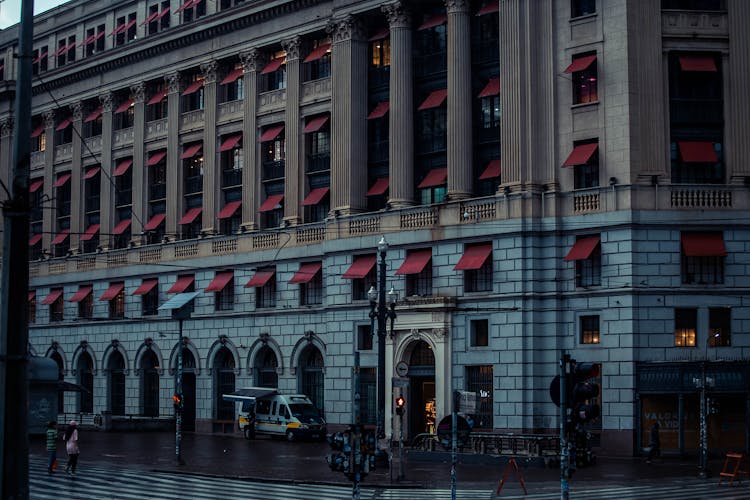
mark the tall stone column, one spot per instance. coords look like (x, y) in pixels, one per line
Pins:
(250, 170)
(106, 199)
(48, 216)
(174, 172)
(76, 179)
(293, 174)
(211, 174)
(348, 116)
(401, 112)
(139, 188)
(460, 154)
(736, 100)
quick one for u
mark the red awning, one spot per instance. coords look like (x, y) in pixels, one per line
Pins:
(434, 100)
(32, 295)
(492, 88)
(315, 124)
(190, 215)
(582, 248)
(87, 41)
(124, 106)
(273, 65)
(193, 87)
(260, 279)
(191, 151)
(62, 49)
(580, 64)
(122, 166)
(112, 292)
(39, 57)
(415, 262)
(474, 257)
(315, 196)
(360, 267)
(380, 187)
(435, 177)
(435, 20)
(697, 152)
(306, 272)
(97, 37)
(146, 286)
(701, 63)
(83, 292)
(121, 226)
(156, 157)
(271, 202)
(94, 115)
(37, 131)
(182, 284)
(158, 97)
(150, 18)
(186, 5)
(91, 172)
(118, 29)
(36, 238)
(318, 52)
(492, 170)
(380, 34)
(61, 236)
(65, 123)
(581, 154)
(703, 244)
(232, 76)
(230, 142)
(62, 179)
(380, 110)
(229, 210)
(90, 232)
(489, 8)
(162, 13)
(154, 222)
(220, 280)
(36, 184)
(52, 297)
(129, 25)
(271, 133)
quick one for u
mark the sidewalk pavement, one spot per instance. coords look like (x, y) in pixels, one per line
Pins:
(267, 459)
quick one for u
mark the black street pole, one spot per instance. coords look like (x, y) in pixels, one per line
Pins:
(14, 283)
(382, 247)
(564, 451)
(178, 407)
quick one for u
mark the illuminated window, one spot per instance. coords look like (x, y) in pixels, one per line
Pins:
(685, 322)
(589, 329)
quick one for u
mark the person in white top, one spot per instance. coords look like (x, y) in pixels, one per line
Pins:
(71, 446)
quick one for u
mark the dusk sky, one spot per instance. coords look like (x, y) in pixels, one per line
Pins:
(10, 10)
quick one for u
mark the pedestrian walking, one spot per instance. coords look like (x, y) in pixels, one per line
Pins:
(52, 447)
(71, 446)
(654, 443)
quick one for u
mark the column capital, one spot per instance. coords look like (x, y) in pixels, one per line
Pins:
(397, 15)
(139, 92)
(209, 71)
(456, 6)
(345, 28)
(77, 111)
(49, 118)
(291, 46)
(6, 127)
(250, 60)
(173, 82)
(107, 101)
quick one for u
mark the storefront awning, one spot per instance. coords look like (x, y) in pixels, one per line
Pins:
(697, 152)
(474, 257)
(54, 294)
(190, 215)
(229, 209)
(112, 292)
(708, 244)
(434, 100)
(220, 280)
(271, 203)
(360, 267)
(580, 64)
(83, 292)
(154, 222)
(415, 262)
(380, 187)
(435, 177)
(315, 196)
(306, 272)
(90, 232)
(260, 279)
(146, 286)
(582, 248)
(182, 284)
(581, 154)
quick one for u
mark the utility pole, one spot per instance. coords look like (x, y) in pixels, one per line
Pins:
(14, 327)
(564, 455)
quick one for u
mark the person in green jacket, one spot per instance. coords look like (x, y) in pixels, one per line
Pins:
(51, 446)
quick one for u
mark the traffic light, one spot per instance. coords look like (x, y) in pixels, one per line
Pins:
(582, 391)
(400, 402)
(177, 402)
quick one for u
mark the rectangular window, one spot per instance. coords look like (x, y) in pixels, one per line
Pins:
(380, 51)
(86, 307)
(56, 308)
(311, 293)
(719, 327)
(589, 329)
(477, 266)
(490, 115)
(586, 173)
(479, 380)
(420, 284)
(150, 302)
(589, 270)
(694, 4)
(685, 325)
(320, 65)
(192, 97)
(480, 333)
(224, 299)
(360, 286)
(364, 338)
(265, 296)
(580, 8)
(703, 257)
(368, 398)
(39, 62)
(117, 306)
(585, 78)
(274, 74)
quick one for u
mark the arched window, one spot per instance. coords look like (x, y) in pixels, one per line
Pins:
(311, 380)
(86, 380)
(150, 384)
(116, 376)
(55, 356)
(422, 355)
(265, 368)
(223, 383)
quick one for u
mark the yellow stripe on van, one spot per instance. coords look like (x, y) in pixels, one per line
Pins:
(292, 425)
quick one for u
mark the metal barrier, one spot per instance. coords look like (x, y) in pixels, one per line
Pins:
(488, 443)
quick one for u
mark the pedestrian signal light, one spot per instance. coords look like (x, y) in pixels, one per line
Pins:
(177, 401)
(400, 402)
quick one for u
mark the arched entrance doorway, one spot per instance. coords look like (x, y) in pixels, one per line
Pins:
(311, 380)
(421, 398)
(265, 368)
(223, 383)
(188, 390)
(85, 369)
(150, 384)
(116, 382)
(55, 356)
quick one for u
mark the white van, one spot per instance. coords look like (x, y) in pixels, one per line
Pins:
(265, 411)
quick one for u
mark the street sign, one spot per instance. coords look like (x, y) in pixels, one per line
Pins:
(445, 435)
(402, 369)
(466, 402)
(400, 382)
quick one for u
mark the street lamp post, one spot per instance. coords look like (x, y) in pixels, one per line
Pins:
(382, 311)
(704, 383)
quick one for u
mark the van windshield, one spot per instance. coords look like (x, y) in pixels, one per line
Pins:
(301, 410)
